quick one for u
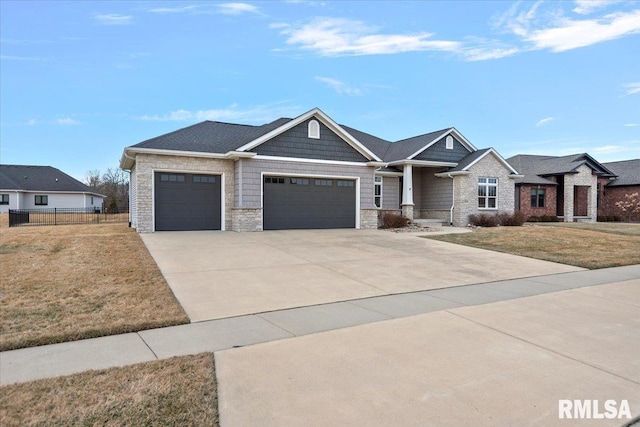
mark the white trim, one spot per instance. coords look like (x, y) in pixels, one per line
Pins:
(376, 184)
(305, 160)
(449, 142)
(384, 173)
(326, 120)
(498, 156)
(487, 185)
(466, 144)
(306, 175)
(55, 192)
(423, 163)
(448, 174)
(313, 129)
(126, 161)
(192, 172)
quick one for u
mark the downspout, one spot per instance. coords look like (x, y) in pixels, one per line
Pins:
(453, 199)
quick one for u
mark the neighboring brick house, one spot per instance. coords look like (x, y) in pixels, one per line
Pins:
(574, 187)
(308, 172)
(41, 187)
(612, 191)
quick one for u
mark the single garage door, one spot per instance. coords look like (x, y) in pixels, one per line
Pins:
(301, 202)
(187, 201)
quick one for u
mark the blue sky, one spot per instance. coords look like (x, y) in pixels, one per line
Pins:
(82, 80)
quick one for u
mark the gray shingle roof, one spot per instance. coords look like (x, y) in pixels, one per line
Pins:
(210, 137)
(219, 137)
(536, 168)
(628, 172)
(405, 147)
(39, 178)
(467, 160)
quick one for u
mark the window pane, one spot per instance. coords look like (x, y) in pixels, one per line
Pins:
(492, 203)
(482, 180)
(493, 191)
(481, 202)
(493, 180)
(482, 191)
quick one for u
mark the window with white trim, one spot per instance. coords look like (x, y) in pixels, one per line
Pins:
(377, 191)
(488, 193)
(41, 200)
(449, 142)
(4, 199)
(314, 129)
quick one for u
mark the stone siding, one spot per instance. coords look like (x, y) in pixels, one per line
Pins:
(246, 219)
(584, 177)
(466, 190)
(146, 164)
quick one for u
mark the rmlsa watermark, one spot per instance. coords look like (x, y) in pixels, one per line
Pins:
(593, 409)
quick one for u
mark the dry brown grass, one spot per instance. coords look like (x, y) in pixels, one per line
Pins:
(70, 282)
(583, 245)
(177, 392)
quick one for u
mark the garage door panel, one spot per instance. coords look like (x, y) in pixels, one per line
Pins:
(299, 203)
(187, 202)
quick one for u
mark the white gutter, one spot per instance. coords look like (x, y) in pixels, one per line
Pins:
(229, 155)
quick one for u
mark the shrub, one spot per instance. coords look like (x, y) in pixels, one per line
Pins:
(617, 218)
(515, 219)
(534, 218)
(391, 220)
(549, 218)
(602, 218)
(483, 220)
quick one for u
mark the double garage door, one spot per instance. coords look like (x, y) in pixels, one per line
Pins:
(194, 202)
(302, 202)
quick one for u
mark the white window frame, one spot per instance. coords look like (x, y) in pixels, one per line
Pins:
(487, 183)
(314, 129)
(377, 198)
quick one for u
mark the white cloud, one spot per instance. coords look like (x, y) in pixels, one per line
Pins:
(345, 37)
(237, 8)
(256, 114)
(631, 125)
(585, 7)
(571, 34)
(550, 29)
(174, 9)
(545, 121)
(66, 121)
(32, 122)
(339, 37)
(113, 19)
(632, 88)
(339, 86)
(21, 58)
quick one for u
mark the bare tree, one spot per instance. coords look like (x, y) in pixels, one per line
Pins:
(114, 184)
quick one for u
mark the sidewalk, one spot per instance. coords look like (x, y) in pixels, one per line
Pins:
(120, 350)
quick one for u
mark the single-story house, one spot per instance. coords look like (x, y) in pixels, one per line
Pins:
(626, 183)
(308, 172)
(37, 187)
(574, 188)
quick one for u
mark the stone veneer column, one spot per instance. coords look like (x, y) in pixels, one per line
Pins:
(407, 192)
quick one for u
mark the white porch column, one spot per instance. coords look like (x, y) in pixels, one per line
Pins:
(407, 192)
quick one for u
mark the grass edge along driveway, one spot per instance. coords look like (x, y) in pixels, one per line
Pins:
(72, 282)
(589, 246)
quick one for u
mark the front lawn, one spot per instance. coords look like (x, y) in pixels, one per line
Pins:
(175, 392)
(584, 245)
(70, 282)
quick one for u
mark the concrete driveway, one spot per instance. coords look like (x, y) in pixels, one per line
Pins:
(217, 274)
(507, 363)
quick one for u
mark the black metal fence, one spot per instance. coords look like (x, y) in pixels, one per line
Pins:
(63, 216)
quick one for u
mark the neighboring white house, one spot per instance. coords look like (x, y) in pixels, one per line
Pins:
(38, 187)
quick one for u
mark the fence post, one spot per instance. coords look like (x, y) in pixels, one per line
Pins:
(55, 216)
